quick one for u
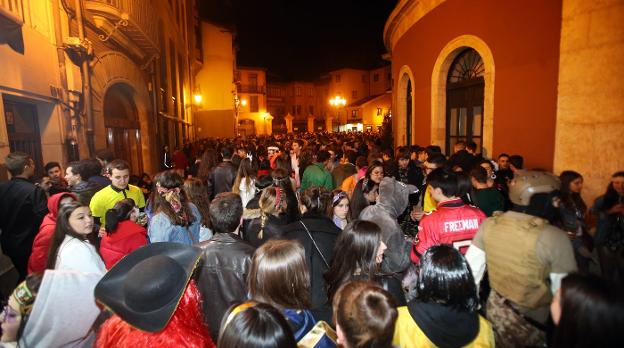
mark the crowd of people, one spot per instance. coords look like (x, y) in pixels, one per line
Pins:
(309, 240)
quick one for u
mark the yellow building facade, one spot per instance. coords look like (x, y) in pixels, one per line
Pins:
(252, 115)
(93, 74)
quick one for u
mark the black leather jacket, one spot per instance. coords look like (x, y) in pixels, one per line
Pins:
(223, 177)
(222, 276)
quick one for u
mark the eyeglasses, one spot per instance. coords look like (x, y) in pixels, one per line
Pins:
(8, 314)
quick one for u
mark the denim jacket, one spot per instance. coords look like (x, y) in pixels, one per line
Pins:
(162, 230)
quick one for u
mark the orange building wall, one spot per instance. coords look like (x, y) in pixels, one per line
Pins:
(524, 40)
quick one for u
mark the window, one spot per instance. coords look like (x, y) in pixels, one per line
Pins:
(311, 110)
(298, 109)
(253, 103)
(363, 78)
(293, 110)
(354, 113)
(311, 92)
(375, 77)
(337, 77)
(298, 91)
(354, 94)
(379, 111)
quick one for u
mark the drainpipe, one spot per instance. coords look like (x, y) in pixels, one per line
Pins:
(86, 82)
(71, 142)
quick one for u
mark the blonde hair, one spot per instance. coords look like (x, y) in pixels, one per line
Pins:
(272, 202)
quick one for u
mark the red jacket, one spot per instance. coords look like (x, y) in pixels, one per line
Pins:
(454, 222)
(41, 244)
(127, 237)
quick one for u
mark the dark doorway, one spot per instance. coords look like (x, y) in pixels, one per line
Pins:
(123, 136)
(464, 100)
(23, 129)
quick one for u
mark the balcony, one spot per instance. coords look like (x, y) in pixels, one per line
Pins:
(12, 10)
(252, 89)
(142, 22)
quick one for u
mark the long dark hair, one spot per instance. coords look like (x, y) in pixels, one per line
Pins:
(63, 229)
(611, 197)
(247, 172)
(197, 194)
(445, 278)
(257, 326)
(591, 313)
(170, 179)
(355, 249)
(209, 160)
(315, 200)
(570, 199)
(281, 179)
(120, 212)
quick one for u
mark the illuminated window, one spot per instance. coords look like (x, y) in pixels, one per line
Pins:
(379, 111)
(354, 94)
(298, 91)
(253, 103)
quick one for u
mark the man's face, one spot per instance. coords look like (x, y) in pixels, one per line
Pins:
(296, 148)
(332, 156)
(403, 162)
(503, 162)
(71, 178)
(54, 172)
(29, 169)
(428, 167)
(120, 178)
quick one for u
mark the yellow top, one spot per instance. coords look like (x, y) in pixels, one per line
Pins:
(429, 204)
(408, 334)
(106, 198)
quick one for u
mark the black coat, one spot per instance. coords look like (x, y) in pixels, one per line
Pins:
(222, 178)
(22, 208)
(325, 233)
(222, 278)
(273, 228)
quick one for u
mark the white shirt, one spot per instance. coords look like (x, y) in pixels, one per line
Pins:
(75, 254)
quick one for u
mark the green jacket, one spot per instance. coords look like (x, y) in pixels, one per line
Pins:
(316, 175)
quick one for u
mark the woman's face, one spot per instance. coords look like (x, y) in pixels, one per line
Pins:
(10, 321)
(342, 209)
(488, 168)
(380, 251)
(134, 214)
(377, 174)
(618, 184)
(576, 185)
(555, 307)
(81, 221)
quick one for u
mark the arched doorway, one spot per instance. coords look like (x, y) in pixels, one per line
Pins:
(123, 135)
(247, 128)
(402, 119)
(408, 113)
(464, 100)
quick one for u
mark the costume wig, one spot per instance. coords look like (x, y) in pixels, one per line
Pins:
(185, 329)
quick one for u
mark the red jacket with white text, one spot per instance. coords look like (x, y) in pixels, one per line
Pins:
(454, 223)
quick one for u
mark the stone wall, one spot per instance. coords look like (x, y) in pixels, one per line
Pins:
(590, 106)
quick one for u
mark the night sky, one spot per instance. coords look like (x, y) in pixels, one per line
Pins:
(300, 40)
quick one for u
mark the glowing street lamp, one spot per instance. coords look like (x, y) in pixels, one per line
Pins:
(197, 98)
(244, 102)
(338, 101)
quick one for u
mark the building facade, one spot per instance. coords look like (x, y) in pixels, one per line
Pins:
(252, 115)
(535, 78)
(92, 74)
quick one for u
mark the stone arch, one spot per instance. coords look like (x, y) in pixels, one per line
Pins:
(113, 68)
(438, 89)
(400, 119)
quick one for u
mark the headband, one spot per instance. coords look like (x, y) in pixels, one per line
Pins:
(240, 308)
(338, 197)
(278, 197)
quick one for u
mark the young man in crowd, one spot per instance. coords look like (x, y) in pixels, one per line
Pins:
(22, 208)
(427, 204)
(317, 174)
(77, 175)
(226, 261)
(453, 222)
(106, 198)
(224, 173)
(487, 198)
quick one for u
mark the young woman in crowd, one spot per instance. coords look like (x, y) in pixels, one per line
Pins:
(572, 213)
(279, 276)
(348, 184)
(587, 312)
(282, 179)
(244, 181)
(17, 310)
(609, 237)
(255, 325)
(196, 193)
(209, 160)
(41, 244)
(73, 245)
(317, 233)
(365, 315)
(444, 313)
(266, 222)
(339, 211)
(367, 189)
(123, 235)
(175, 218)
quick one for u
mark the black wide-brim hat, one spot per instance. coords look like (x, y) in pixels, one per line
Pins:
(145, 287)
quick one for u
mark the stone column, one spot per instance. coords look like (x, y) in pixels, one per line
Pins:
(311, 124)
(268, 124)
(289, 126)
(329, 123)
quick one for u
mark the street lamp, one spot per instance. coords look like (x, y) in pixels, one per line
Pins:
(198, 99)
(337, 102)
